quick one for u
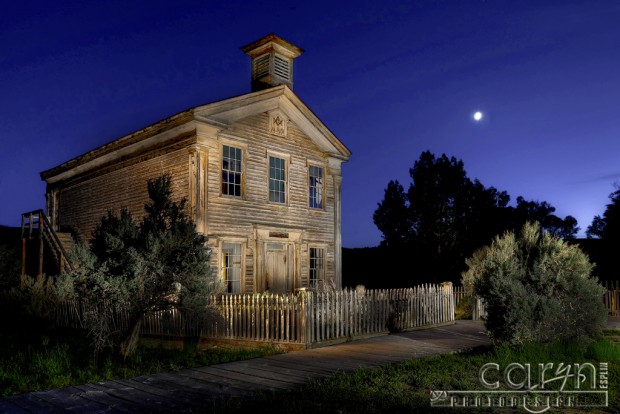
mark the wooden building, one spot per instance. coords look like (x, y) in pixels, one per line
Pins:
(261, 172)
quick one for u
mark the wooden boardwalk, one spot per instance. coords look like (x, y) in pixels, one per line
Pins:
(196, 388)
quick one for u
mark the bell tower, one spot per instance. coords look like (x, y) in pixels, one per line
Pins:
(272, 61)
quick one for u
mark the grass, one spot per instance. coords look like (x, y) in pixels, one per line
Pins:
(406, 387)
(44, 358)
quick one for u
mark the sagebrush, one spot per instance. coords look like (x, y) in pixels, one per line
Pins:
(537, 289)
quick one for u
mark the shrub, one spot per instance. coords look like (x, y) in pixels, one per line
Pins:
(537, 289)
(465, 308)
(10, 265)
(158, 264)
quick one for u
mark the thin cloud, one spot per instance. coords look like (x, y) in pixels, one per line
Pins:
(611, 178)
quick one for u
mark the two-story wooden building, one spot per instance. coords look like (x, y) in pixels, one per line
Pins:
(261, 172)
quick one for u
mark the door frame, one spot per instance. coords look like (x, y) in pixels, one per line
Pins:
(291, 241)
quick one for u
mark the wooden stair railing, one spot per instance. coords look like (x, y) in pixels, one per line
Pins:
(35, 225)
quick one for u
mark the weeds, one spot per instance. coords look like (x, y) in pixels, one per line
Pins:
(405, 387)
(63, 358)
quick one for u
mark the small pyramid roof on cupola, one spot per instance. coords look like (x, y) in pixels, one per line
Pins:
(272, 61)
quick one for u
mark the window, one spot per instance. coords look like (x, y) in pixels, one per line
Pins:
(231, 266)
(315, 186)
(317, 265)
(277, 180)
(231, 171)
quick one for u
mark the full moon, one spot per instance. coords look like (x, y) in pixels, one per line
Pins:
(477, 116)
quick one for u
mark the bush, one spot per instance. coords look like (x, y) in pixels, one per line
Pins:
(465, 308)
(10, 265)
(158, 264)
(537, 289)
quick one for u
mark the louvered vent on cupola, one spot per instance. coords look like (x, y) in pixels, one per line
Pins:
(272, 61)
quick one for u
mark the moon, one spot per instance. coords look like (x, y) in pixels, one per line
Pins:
(478, 116)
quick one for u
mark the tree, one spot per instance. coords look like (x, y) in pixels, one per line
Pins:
(442, 217)
(536, 288)
(157, 265)
(608, 226)
(445, 216)
(542, 212)
(596, 229)
(391, 217)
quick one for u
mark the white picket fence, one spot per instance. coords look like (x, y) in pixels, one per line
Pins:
(302, 318)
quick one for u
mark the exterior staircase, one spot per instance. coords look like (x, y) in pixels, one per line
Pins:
(41, 242)
(66, 241)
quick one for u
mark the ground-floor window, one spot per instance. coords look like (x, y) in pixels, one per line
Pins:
(317, 266)
(231, 266)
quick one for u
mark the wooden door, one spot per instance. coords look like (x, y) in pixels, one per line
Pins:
(276, 268)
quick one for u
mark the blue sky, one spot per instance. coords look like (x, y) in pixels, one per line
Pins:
(391, 79)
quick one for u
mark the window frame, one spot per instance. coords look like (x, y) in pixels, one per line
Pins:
(286, 160)
(223, 273)
(243, 154)
(309, 186)
(312, 260)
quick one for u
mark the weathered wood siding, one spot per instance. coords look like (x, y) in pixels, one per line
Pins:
(196, 169)
(231, 217)
(82, 205)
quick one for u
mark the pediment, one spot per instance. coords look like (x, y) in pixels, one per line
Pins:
(217, 116)
(275, 101)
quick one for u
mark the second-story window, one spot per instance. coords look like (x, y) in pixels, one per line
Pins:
(315, 186)
(277, 180)
(231, 171)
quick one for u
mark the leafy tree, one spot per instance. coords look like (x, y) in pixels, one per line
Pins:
(596, 228)
(536, 288)
(391, 217)
(565, 229)
(445, 216)
(608, 226)
(442, 217)
(156, 265)
(542, 212)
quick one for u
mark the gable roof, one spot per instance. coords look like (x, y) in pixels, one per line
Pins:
(218, 114)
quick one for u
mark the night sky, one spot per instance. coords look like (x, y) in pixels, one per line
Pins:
(390, 78)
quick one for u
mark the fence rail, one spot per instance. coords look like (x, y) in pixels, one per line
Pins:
(303, 318)
(611, 299)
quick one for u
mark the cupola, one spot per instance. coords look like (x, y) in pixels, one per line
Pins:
(272, 61)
